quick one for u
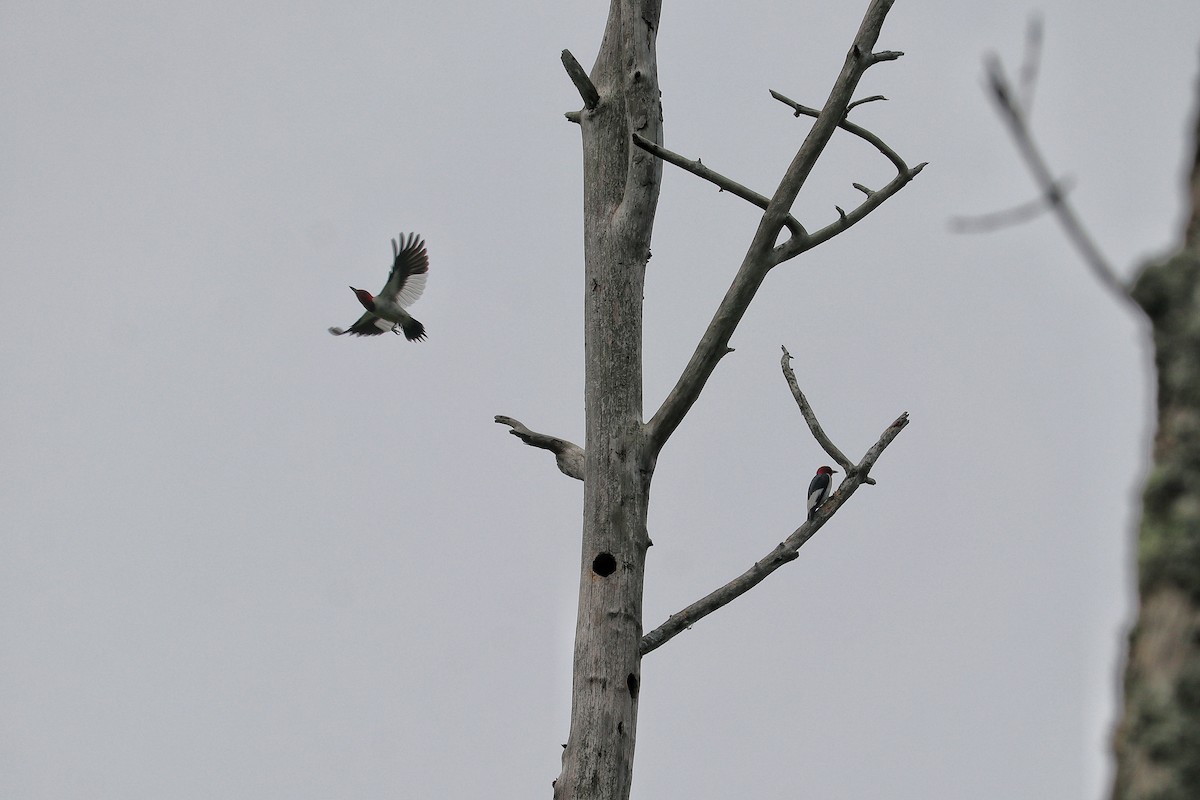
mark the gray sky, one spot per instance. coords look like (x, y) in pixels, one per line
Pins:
(244, 559)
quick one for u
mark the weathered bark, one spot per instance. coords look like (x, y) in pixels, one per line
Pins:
(621, 186)
(1158, 740)
(621, 123)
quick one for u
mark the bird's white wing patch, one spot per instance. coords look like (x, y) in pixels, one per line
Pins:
(409, 268)
(367, 325)
(411, 291)
(814, 497)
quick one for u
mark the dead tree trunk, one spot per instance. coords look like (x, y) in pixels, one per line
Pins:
(621, 123)
(620, 197)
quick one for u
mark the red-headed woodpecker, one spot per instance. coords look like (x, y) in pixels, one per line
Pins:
(385, 312)
(818, 489)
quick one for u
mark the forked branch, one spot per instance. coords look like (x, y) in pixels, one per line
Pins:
(785, 551)
(762, 253)
(1013, 105)
(799, 109)
(568, 455)
(1006, 104)
(875, 198)
(810, 417)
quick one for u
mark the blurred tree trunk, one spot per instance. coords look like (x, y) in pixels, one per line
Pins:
(1158, 739)
(621, 186)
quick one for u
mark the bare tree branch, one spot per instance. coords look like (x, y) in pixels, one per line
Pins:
(811, 418)
(762, 253)
(875, 199)
(1017, 215)
(568, 455)
(858, 60)
(1009, 107)
(870, 99)
(904, 174)
(1028, 73)
(785, 551)
(799, 109)
(579, 77)
(698, 169)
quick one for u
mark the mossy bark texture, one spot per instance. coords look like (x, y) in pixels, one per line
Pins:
(1158, 740)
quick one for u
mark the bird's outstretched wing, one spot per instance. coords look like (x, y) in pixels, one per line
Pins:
(410, 266)
(367, 325)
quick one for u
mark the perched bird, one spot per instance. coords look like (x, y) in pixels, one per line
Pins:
(385, 311)
(818, 489)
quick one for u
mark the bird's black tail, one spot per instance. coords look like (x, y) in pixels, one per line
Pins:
(413, 330)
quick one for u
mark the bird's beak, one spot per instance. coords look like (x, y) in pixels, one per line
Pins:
(353, 289)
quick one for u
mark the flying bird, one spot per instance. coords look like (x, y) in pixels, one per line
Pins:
(818, 489)
(386, 311)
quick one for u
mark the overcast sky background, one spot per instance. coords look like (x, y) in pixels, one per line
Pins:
(242, 558)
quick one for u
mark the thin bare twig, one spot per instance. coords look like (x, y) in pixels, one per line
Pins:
(870, 99)
(799, 109)
(785, 551)
(811, 418)
(1028, 73)
(1017, 215)
(697, 168)
(845, 220)
(568, 455)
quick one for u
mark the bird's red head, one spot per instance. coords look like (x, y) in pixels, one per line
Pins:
(825, 470)
(364, 297)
